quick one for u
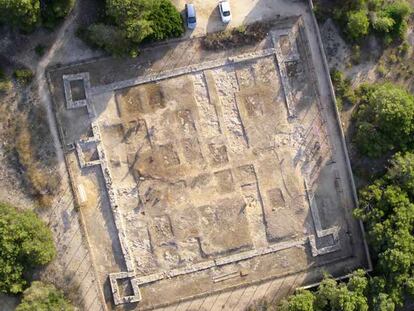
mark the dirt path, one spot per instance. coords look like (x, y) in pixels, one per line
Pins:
(42, 81)
(73, 269)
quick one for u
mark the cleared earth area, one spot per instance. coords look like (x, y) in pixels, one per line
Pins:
(204, 176)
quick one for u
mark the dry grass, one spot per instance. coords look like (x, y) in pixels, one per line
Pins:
(28, 143)
(34, 156)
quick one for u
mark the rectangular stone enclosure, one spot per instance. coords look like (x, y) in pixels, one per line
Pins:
(201, 178)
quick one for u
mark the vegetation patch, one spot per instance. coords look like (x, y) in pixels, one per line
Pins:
(130, 23)
(43, 297)
(387, 209)
(5, 82)
(384, 119)
(28, 14)
(25, 243)
(345, 95)
(109, 38)
(330, 295)
(23, 76)
(360, 18)
(240, 36)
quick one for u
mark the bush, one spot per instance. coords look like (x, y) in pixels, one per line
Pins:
(25, 243)
(55, 10)
(5, 83)
(399, 11)
(23, 76)
(243, 35)
(383, 23)
(43, 297)
(109, 38)
(40, 50)
(358, 24)
(384, 119)
(343, 91)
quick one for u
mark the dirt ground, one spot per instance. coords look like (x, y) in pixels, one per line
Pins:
(207, 174)
(86, 258)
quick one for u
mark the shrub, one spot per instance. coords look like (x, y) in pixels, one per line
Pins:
(343, 91)
(43, 297)
(399, 11)
(243, 35)
(356, 54)
(23, 76)
(109, 38)
(40, 50)
(358, 24)
(5, 83)
(384, 119)
(383, 23)
(25, 242)
(55, 10)
(382, 71)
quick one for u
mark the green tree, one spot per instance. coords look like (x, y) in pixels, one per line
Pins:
(43, 297)
(331, 295)
(358, 24)
(24, 14)
(302, 300)
(25, 242)
(387, 209)
(350, 296)
(146, 19)
(384, 119)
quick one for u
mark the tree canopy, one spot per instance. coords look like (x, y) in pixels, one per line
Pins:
(359, 18)
(146, 19)
(131, 22)
(384, 119)
(43, 297)
(24, 14)
(27, 14)
(25, 242)
(331, 295)
(387, 209)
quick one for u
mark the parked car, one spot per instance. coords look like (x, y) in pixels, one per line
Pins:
(224, 8)
(190, 14)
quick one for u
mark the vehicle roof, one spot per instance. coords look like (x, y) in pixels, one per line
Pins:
(225, 5)
(190, 9)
